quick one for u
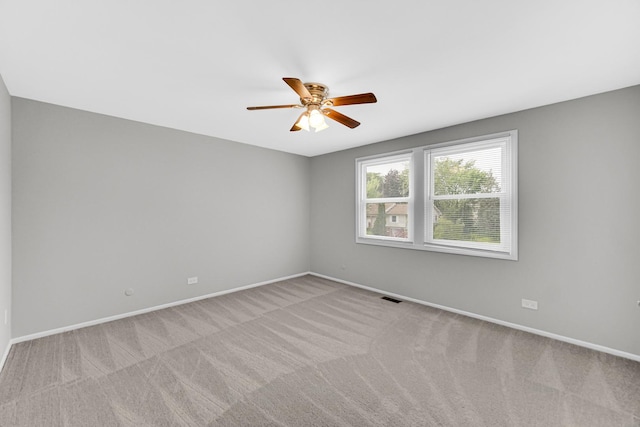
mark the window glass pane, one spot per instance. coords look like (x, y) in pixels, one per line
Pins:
(468, 173)
(388, 179)
(468, 220)
(380, 219)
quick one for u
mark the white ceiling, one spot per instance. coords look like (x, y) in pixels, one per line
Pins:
(196, 65)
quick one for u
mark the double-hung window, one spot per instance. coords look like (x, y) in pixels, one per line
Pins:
(386, 202)
(456, 197)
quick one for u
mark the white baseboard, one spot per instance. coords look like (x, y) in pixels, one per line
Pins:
(5, 354)
(569, 340)
(142, 311)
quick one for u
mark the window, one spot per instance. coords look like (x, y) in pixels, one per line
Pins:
(464, 200)
(385, 196)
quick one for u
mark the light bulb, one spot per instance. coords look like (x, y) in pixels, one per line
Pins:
(316, 119)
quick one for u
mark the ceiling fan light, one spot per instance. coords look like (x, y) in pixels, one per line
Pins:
(303, 123)
(322, 126)
(316, 119)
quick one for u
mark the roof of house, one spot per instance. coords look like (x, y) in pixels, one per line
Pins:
(391, 208)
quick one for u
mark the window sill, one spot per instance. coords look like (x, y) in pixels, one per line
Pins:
(513, 256)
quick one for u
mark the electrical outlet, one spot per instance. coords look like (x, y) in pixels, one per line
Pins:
(527, 303)
(192, 280)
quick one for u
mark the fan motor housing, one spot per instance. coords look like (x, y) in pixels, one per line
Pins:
(318, 93)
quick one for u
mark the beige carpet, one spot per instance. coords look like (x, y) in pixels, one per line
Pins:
(312, 352)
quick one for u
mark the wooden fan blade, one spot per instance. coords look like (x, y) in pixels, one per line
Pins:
(340, 118)
(268, 107)
(295, 126)
(298, 86)
(362, 98)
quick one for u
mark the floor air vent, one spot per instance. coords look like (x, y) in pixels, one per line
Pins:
(392, 299)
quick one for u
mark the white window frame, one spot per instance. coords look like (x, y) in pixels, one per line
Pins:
(420, 203)
(362, 200)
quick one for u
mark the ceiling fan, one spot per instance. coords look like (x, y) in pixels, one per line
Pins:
(313, 98)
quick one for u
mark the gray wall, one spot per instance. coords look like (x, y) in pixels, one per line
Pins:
(5, 215)
(578, 225)
(102, 204)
